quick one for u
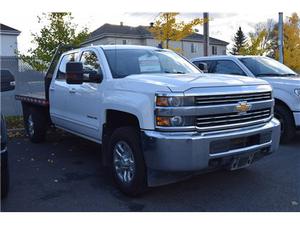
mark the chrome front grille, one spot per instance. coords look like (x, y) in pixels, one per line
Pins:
(229, 99)
(244, 107)
(223, 121)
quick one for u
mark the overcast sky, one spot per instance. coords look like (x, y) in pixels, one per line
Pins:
(222, 25)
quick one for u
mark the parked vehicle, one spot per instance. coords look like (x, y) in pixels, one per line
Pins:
(285, 83)
(7, 84)
(155, 114)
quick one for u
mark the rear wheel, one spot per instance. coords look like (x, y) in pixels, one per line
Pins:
(128, 167)
(288, 129)
(35, 125)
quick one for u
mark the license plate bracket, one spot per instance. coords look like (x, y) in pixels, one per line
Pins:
(241, 161)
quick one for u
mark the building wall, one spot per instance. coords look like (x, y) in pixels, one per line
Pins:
(117, 41)
(8, 45)
(183, 47)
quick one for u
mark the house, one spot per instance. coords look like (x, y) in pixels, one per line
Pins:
(191, 46)
(9, 47)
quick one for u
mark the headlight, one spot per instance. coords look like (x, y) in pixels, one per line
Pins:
(174, 121)
(297, 91)
(174, 101)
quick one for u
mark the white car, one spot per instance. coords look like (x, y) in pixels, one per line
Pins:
(285, 83)
(155, 114)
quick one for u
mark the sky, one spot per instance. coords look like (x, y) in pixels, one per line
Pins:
(222, 25)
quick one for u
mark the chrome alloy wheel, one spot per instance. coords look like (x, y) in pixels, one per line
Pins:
(30, 126)
(124, 163)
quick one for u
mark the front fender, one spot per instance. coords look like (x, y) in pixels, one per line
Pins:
(140, 105)
(288, 98)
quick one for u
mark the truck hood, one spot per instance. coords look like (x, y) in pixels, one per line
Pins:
(184, 82)
(283, 82)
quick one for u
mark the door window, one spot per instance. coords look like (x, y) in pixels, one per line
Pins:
(91, 65)
(61, 74)
(227, 67)
(210, 64)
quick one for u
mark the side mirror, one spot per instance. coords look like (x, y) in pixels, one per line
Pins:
(74, 73)
(7, 81)
(92, 76)
(203, 66)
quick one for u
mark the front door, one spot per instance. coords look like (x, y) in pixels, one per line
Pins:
(85, 99)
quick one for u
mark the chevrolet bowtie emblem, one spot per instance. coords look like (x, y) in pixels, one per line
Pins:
(243, 107)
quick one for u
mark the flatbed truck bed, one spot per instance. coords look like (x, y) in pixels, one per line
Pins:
(38, 98)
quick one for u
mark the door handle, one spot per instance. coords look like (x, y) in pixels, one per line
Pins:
(72, 91)
(51, 89)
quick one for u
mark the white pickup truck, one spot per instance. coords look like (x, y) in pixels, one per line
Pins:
(285, 83)
(156, 115)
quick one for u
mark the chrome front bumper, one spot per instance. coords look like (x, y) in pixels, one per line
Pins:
(190, 151)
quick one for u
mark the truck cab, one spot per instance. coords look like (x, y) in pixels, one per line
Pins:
(285, 83)
(155, 113)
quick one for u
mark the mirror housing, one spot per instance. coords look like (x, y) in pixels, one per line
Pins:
(203, 66)
(92, 76)
(7, 80)
(74, 73)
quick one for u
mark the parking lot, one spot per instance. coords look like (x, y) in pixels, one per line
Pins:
(65, 174)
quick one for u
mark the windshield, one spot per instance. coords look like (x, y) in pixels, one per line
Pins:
(263, 66)
(124, 62)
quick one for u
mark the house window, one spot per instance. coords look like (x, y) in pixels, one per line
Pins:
(214, 50)
(193, 48)
(124, 42)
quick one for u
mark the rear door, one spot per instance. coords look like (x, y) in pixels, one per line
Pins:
(59, 93)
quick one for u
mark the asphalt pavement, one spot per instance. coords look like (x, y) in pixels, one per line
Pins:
(65, 174)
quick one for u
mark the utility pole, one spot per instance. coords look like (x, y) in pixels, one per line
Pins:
(280, 36)
(206, 34)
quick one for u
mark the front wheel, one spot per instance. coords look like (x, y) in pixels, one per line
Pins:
(128, 165)
(284, 115)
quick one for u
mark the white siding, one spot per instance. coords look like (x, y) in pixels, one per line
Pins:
(183, 46)
(9, 45)
(116, 41)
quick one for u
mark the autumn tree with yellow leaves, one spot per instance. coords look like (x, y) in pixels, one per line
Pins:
(291, 42)
(259, 42)
(166, 28)
(264, 41)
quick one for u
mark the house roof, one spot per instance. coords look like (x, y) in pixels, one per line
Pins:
(141, 32)
(8, 29)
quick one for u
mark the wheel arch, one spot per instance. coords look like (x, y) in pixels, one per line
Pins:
(115, 119)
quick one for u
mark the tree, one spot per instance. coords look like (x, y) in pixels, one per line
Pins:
(291, 45)
(257, 45)
(240, 41)
(167, 28)
(58, 29)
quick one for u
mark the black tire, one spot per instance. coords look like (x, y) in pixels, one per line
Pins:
(130, 136)
(4, 175)
(288, 129)
(39, 125)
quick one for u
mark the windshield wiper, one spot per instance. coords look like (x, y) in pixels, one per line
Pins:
(290, 74)
(275, 75)
(269, 74)
(176, 72)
